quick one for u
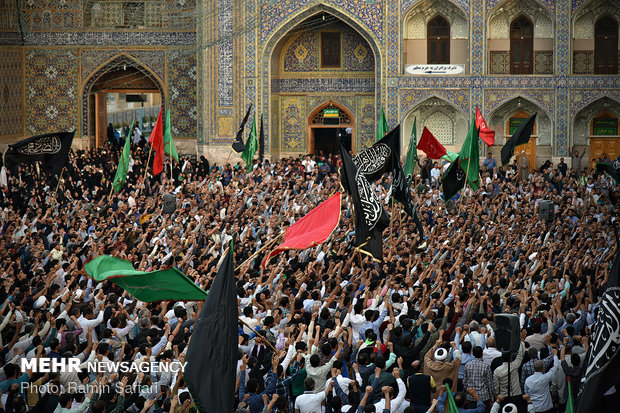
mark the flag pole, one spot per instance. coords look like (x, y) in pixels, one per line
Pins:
(260, 250)
(260, 335)
(146, 169)
(58, 184)
(465, 185)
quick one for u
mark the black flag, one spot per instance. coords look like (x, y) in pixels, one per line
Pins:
(453, 181)
(603, 360)
(370, 217)
(520, 137)
(612, 168)
(261, 141)
(51, 149)
(377, 160)
(401, 192)
(212, 352)
(238, 145)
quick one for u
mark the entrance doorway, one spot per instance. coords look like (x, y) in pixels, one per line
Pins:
(119, 93)
(326, 140)
(327, 125)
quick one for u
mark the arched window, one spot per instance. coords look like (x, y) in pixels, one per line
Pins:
(606, 45)
(521, 46)
(438, 40)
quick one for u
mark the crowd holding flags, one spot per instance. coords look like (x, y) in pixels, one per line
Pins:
(123, 164)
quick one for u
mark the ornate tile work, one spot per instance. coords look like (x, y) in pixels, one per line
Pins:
(543, 63)
(225, 53)
(494, 98)
(182, 82)
(407, 4)
(303, 53)
(410, 98)
(51, 91)
(549, 4)
(61, 38)
(369, 13)
(11, 93)
(313, 102)
(365, 123)
(580, 98)
(575, 4)
(500, 63)
(91, 59)
(293, 127)
(477, 42)
(323, 85)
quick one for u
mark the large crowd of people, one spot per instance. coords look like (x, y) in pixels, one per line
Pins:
(324, 329)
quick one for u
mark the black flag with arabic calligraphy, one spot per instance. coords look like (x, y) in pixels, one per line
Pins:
(370, 217)
(51, 149)
(603, 359)
(377, 160)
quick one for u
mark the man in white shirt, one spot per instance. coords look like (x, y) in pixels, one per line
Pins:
(435, 172)
(310, 402)
(491, 352)
(309, 165)
(86, 319)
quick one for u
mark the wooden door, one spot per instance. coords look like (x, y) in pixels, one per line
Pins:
(101, 127)
(606, 46)
(530, 152)
(600, 146)
(521, 46)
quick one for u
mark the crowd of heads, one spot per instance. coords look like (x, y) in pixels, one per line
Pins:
(326, 325)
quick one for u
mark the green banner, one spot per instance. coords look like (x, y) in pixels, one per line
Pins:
(514, 124)
(605, 127)
(331, 113)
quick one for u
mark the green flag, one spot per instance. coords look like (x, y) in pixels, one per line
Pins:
(469, 157)
(412, 155)
(168, 142)
(450, 403)
(383, 126)
(250, 147)
(123, 164)
(450, 156)
(570, 405)
(164, 285)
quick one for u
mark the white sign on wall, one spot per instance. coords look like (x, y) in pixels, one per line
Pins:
(435, 69)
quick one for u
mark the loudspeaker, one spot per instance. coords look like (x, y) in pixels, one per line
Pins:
(170, 204)
(547, 210)
(507, 337)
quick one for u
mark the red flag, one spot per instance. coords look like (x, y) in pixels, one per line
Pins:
(157, 143)
(314, 228)
(430, 145)
(486, 134)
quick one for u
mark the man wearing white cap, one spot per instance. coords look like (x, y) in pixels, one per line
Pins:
(436, 362)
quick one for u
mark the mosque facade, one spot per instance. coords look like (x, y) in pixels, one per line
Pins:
(316, 71)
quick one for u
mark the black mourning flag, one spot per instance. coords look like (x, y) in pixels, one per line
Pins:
(612, 168)
(453, 181)
(51, 149)
(261, 141)
(520, 137)
(377, 160)
(212, 353)
(603, 360)
(370, 217)
(401, 192)
(238, 145)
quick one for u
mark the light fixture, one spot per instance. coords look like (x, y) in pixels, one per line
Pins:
(124, 67)
(519, 103)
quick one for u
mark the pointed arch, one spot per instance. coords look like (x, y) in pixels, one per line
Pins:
(285, 27)
(346, 120)
(107, 66)
(582, 121)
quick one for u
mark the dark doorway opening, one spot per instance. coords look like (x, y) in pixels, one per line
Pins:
(326, 140)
